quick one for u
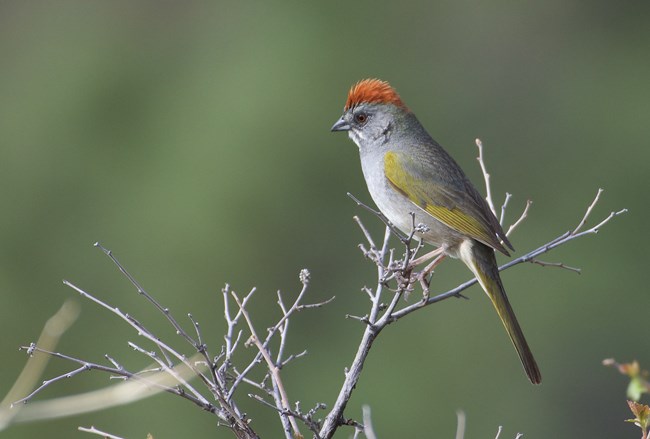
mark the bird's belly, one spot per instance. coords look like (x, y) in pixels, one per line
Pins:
(398, 208)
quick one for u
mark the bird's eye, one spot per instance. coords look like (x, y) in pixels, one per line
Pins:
(361, 118)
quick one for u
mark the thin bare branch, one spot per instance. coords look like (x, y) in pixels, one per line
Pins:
(528, 257)
(306, 418)
(165, 311)
(282, 331)
(381, 216)
(315, 305)
(304, 278)
(504, 207)
(588, 212)
(486, 176)
(362, 319)
(291, 358)
(283, 399)
(521, 219)
(335, 417)
(200, 346)
(149, 336)
(160, 381)
(556, 265)
(365, 231)
(46, 383)
(93, 430)
(52, 331)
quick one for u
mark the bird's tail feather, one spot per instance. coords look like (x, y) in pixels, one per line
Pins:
(481, 261)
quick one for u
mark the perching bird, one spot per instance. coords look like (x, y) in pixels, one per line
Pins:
(407, 172)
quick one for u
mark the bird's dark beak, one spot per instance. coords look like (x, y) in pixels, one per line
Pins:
(341, 125)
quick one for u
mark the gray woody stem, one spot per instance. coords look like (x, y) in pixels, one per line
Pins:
(335, 416)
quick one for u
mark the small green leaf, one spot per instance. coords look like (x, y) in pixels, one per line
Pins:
(636, 388)
(642, 413)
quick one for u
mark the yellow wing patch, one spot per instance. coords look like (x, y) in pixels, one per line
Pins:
(424, 194)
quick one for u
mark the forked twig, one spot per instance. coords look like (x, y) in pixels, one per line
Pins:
(583, 221)
(272, 367)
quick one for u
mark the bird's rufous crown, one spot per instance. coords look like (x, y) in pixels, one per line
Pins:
(372, 91)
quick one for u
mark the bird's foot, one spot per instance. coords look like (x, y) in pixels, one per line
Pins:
(424, 282)
(405, 280)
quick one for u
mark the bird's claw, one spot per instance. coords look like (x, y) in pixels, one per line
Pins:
(424, 282)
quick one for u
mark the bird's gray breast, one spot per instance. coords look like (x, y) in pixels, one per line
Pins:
(398, 208)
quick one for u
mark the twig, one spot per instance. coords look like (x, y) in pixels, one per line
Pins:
(381, 216)
(93, 430)
(304, 278)
(588, 212)
(273, 368)
(229, 413)
(200, 346)
(263, 401)
(486, 176)
(52, 331)
(283, 332)
(230, 346)
(214, 384)
(316, 305)
(555, 264)
(503, 208)
(159, 381)
(365, 231)
(148, 335)
(305, 418)
(66, 375)
(523, 216)
(165, 311)
(560, 240)
(290, 358)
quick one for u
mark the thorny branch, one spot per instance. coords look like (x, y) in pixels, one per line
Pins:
(222, 377)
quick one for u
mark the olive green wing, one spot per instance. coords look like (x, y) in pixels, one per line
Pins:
(457, 205)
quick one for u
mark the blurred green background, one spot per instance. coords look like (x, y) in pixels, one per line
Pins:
(192, 139)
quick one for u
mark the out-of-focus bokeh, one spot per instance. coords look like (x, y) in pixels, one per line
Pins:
(192, 139)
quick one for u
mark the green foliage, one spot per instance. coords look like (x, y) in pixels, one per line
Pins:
(641, 419)
(638, 386)
(638, 378)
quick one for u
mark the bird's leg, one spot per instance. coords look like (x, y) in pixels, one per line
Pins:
(432, 254)
(422, 276)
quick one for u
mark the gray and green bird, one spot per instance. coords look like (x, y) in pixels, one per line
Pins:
(407, 172)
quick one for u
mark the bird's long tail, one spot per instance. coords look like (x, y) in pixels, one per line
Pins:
(481, 260)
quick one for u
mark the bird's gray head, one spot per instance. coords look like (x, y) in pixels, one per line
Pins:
(370, 112)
